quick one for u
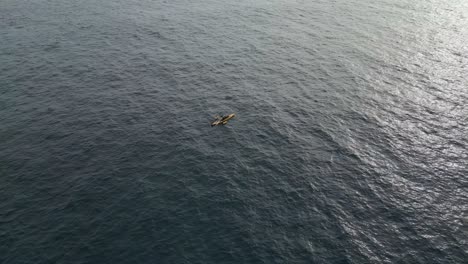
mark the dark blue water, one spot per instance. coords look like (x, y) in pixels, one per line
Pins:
(350, 143)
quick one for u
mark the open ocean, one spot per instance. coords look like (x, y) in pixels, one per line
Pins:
(350, 143)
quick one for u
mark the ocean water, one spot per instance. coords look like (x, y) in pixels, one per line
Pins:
(350, 143)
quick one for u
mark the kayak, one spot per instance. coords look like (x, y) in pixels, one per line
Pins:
(222, 120)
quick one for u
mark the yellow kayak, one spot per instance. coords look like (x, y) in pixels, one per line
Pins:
(222, 120)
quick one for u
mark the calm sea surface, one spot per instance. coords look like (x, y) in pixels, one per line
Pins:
(350, 143)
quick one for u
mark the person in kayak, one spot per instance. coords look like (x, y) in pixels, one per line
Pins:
(222, 120)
